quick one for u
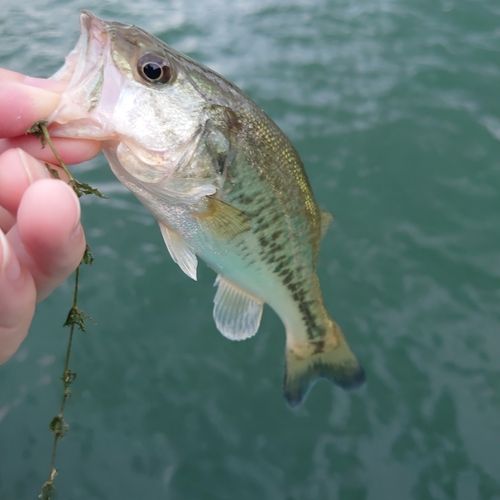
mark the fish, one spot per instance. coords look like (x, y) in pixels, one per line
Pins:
(223, 181)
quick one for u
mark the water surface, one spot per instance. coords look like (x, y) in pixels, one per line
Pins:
(394, 107)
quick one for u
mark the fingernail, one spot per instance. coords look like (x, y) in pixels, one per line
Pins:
(33, 168)
(10, 265)
(44, 101)
(77, 225)
(45, 83)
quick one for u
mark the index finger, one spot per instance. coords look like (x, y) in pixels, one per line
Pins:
(43, 83)
(25, 100)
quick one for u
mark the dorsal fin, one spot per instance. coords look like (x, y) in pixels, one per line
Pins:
(326, 218)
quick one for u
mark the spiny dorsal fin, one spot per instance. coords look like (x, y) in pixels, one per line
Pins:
(236, 314)
(223, 220)
(326, 218)
(180, 251)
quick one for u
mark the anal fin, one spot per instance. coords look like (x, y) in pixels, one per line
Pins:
(236, 314)
(180, 251)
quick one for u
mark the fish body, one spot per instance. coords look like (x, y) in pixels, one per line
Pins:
(223, 181)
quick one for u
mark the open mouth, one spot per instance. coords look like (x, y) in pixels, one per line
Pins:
(89, 49)
(93, 84)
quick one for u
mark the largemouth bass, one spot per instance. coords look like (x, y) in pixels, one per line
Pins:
(223, 181)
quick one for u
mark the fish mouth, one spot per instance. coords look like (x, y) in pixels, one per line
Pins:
(94, 84)
(88, 51)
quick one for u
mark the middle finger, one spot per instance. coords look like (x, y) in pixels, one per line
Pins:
(18, 170)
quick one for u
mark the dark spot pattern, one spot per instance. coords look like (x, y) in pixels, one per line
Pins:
(248, 189)
(319, 346)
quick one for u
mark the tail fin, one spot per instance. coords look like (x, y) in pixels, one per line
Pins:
(329, 357)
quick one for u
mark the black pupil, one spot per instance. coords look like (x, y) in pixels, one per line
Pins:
(153, 71)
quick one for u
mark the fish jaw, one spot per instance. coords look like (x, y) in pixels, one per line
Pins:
(94, 85)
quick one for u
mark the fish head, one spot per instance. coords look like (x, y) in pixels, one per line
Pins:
(152, 106)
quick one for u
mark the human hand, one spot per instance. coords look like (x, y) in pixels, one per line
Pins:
(41, 238)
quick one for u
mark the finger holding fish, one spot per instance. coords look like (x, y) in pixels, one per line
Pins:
(25, 100)
(41, 238)
(71, 151)
(41, 242)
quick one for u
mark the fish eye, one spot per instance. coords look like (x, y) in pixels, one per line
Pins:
(154, 69)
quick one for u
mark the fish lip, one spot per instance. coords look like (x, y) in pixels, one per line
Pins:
(84, 70)
(90, 25)
(93, 34)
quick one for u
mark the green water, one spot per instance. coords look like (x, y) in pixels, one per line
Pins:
(394, 106)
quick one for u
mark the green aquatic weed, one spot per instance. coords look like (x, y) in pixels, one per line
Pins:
(76, 317)
(39, 129)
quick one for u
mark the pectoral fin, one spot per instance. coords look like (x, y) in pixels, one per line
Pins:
(223, 220)
(236, 314)
(180, 251)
